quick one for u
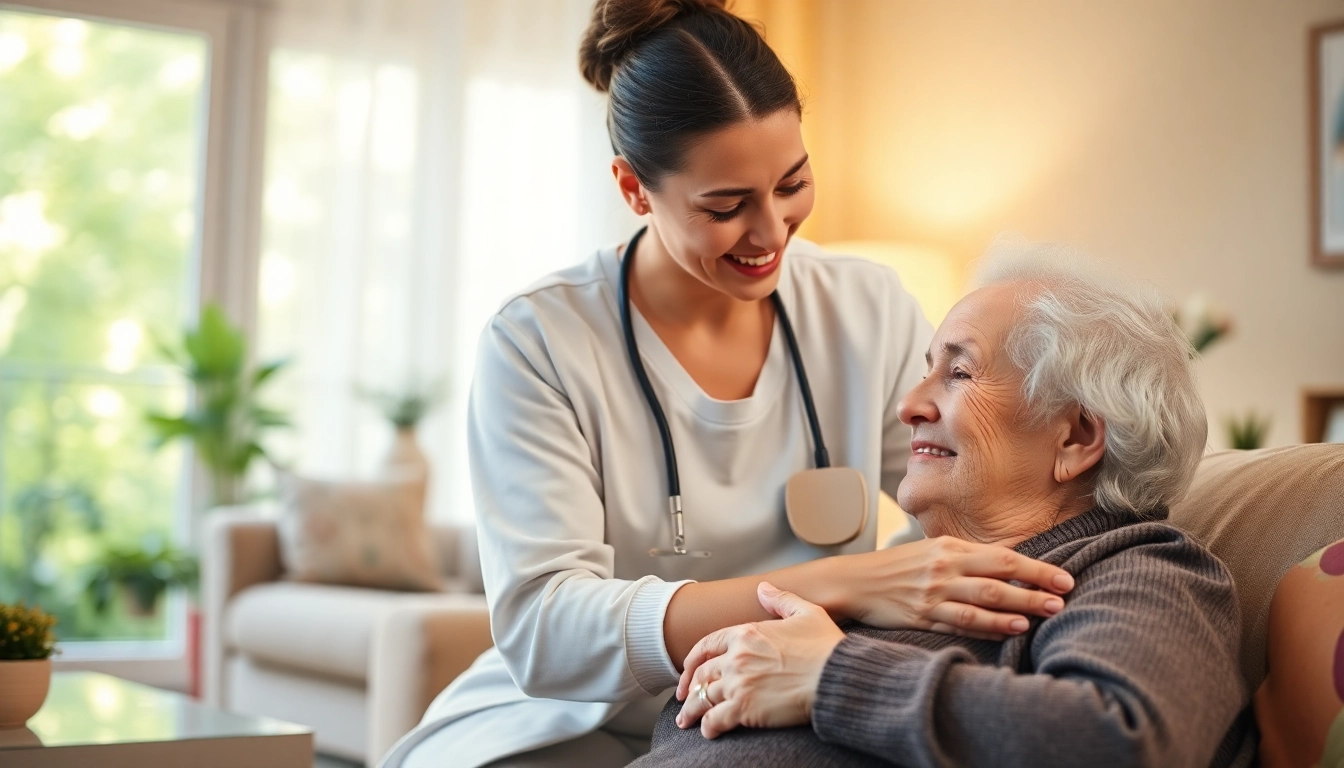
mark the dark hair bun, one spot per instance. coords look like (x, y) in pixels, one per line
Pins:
(618, 25)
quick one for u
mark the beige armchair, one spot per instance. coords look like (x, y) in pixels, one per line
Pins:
(358, 666)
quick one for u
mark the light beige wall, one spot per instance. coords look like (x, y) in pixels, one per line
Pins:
(1167, 136)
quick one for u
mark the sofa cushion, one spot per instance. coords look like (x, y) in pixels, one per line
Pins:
(360, 534)
(1262, 512)
(318, 628)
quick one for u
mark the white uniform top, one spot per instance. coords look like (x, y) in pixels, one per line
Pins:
(571, 491)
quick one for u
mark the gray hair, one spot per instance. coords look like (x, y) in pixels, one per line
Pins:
(1113, 348)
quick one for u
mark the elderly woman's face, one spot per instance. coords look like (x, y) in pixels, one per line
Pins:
(976, 458)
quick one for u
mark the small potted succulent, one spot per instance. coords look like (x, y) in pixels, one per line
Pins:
(142, 575)
(26, 645)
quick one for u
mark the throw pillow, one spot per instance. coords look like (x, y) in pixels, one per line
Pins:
(364, 534)
(1300, 706)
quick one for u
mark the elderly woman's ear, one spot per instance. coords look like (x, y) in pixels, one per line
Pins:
(1082, 443)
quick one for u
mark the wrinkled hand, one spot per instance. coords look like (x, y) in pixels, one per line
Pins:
(761, 675)
(949, 585)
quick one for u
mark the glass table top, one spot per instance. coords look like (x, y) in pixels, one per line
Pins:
(92, 708)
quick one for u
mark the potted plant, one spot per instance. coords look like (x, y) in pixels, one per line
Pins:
(404, 408)
(26, 645)
(142, 575)
(1246, 433)
(226, 420)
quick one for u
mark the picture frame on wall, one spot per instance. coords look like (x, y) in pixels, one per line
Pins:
(1326, 103)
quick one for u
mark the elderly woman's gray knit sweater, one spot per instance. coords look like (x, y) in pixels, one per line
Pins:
(1140, 668)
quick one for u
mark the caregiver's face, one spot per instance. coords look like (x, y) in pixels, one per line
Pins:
(975, 454)
(727, 217)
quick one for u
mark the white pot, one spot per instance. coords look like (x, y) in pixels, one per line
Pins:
(404, 458)
(23, 689)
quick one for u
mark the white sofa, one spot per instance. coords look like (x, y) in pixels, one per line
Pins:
(358, 666)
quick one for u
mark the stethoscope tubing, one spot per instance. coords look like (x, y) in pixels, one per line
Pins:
(642, 376)
(821, 457)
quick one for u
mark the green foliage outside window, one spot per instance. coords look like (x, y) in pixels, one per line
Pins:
(101, 135)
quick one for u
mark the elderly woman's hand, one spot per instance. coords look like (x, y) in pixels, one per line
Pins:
(761, 675)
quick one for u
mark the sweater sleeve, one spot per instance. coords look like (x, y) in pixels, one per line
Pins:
(909, 332)
(1139, 669)
(565, 627)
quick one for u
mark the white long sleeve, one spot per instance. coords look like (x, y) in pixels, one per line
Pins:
(557, 611)
(567, 466)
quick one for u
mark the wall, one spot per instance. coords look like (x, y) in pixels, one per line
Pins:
(1169, 138)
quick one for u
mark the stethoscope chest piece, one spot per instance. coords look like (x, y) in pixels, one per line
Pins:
(827, 506)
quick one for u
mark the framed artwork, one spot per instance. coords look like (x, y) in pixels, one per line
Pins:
(1326, 100)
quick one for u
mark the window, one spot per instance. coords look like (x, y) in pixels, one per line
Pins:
(110, 203)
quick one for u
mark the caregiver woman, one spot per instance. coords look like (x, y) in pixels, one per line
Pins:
(568, 465)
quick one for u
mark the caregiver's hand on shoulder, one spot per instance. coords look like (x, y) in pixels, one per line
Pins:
(760, 675)
(946, 585)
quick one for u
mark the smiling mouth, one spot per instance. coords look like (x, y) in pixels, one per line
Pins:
(930, 451)
(929, 448)
(753, 261)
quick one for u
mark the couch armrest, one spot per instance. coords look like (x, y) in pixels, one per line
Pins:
(419, 648)
(240, 548)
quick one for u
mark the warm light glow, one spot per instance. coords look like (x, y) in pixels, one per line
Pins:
(66, 61)
(124, 338)
(181, 73)
(105, 699)
(70, 31)
(13, 49)
(80, 121)
(105, 402)
(927, 273)
(24, 224)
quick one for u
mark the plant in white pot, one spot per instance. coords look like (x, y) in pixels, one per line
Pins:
(26, 645)
(404, 408)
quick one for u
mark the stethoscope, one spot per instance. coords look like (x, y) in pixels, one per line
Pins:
(825, 506)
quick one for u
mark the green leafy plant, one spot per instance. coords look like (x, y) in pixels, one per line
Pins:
(1246, 433)
(143, 573)
(25, 633)
(406, 407)
(227, 420)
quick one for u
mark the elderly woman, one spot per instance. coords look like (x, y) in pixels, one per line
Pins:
(1058, 419)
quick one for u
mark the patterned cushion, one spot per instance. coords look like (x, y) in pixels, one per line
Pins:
(1300, 707)
(363, 534)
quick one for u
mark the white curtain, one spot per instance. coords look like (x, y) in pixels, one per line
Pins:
(424, 159)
